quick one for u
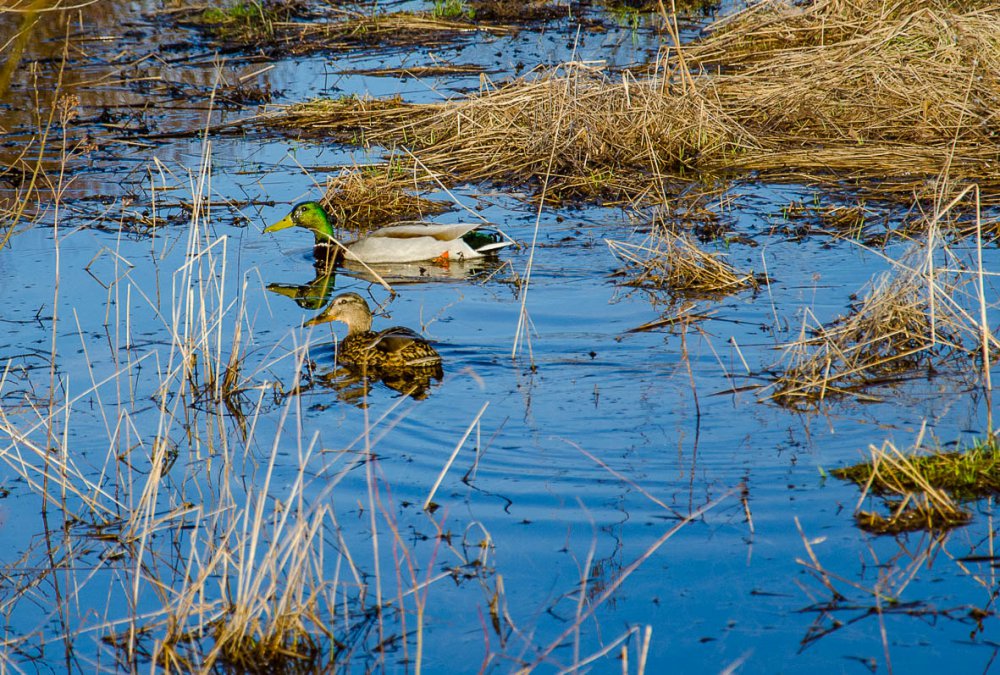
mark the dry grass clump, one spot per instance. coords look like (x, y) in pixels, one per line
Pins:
(350, 119)
(862, 87)
(675, 262)
(266, 617)
(971, 473)
(572, 128)
(906, 321)
(365, 199)
(919, 491)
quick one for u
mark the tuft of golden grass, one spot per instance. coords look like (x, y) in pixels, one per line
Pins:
(928, 308)
(889, 334)
(675, 262)
(364, 199)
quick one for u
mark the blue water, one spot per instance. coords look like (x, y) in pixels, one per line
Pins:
(594, 442)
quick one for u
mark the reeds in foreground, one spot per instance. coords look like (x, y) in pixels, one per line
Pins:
(207, 553)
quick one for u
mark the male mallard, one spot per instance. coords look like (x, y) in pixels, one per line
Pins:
(409, 241)
(392, 349)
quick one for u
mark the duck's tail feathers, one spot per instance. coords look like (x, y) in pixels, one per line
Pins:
(495, 246)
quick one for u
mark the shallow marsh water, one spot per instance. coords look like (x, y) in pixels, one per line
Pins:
(665, 412)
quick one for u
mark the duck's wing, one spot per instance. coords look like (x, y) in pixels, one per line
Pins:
(394, 339)
(412, 229)
(405, 344)
(415, 241)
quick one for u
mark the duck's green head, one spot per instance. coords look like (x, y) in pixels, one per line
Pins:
(309, 215)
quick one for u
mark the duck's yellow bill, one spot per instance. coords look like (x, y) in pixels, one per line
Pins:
(282, 224)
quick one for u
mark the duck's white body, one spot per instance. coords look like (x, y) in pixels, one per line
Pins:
(415, 241)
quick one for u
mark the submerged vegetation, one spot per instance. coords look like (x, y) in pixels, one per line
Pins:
(252, 20)
(301, 27)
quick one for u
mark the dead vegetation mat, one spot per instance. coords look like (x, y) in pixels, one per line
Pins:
(864, 87)
(297, 27)
(859, 90)
(571, 131)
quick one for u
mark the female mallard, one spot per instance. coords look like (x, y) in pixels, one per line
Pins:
(392, 349)
(409, 241)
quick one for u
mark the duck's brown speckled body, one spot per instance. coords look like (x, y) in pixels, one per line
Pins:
(392, 349)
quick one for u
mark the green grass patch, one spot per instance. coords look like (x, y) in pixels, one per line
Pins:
(923, 491)
(452, 9)
(965, 474)
(248, 21)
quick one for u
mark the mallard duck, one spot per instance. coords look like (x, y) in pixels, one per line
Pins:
(409, 241)
(392, 349)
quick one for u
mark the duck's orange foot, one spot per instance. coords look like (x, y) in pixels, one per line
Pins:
(442, 259)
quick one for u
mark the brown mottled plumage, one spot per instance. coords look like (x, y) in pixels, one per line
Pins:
(393, 349)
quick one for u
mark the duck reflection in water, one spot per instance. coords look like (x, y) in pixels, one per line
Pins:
(398, 357)
(312, 295)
